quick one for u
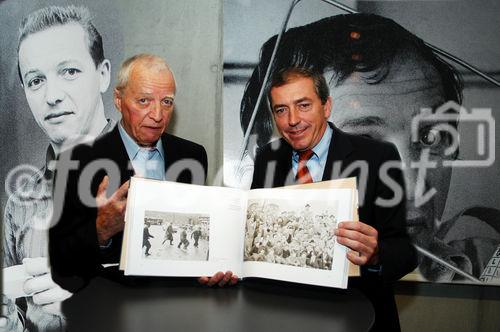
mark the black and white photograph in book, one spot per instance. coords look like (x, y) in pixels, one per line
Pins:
(176, 236)
(282, 234)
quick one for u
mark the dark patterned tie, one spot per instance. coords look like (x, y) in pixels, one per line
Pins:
(303, 175)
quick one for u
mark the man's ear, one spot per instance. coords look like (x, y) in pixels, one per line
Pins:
(117, 99)
(327, 107)
(105, 75)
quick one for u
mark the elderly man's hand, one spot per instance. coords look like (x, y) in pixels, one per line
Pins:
(110, 211)
(45, 292)
(220, 278)
(361, 238)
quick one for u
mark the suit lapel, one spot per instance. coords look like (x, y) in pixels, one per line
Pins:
(283, 165)
(119, 154)
(171, 154)
(340, 148)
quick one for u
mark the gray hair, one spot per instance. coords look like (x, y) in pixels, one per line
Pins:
(149, 60)
(51, 16)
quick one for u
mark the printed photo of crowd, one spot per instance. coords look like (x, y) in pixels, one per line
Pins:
(175, 236)
(278, 233)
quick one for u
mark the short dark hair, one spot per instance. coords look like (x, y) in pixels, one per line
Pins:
(286, 75)
(51, 16)
(344, 44)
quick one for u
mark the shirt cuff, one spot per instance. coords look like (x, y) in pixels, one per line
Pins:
(375, 269)
(107, 245)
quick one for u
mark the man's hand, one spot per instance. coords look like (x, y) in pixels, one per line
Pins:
(220, 278)
(362, 239)
(45, 292)
(110, 211)
(9, 321)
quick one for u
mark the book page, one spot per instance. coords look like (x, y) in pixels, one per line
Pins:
(349, 183)
(289, 235)
(126, 230)
(176, 229)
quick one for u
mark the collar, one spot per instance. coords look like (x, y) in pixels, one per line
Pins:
(108, 127)
(132, 147)
(321, 149)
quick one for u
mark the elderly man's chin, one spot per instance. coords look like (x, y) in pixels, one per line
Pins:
(149, 136)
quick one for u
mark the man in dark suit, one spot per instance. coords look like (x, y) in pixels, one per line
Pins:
(91, 193)
(312, 149)
(145, 239)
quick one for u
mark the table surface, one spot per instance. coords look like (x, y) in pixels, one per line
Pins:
(167, 304)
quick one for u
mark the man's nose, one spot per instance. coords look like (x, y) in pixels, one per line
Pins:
(411, 179)
(156, 112)
(408, 155)
(53, 92)
(293, 117)
(418, 188)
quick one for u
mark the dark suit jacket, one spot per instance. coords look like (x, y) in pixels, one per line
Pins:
(397, 256)
(75, 255)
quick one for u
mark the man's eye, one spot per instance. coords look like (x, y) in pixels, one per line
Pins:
(35, 83)
(435, 139)
(365, 132)
(304, 106)
(70, 73)
(168, 102)
(430, 138)
(142, 101)
(279, 110)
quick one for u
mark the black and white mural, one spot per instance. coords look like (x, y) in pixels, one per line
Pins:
(389, 80)
(58, 64)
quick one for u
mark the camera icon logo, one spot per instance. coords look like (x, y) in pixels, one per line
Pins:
(479, 125)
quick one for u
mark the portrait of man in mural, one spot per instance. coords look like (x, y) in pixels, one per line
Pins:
(381, 76)
(63, 72)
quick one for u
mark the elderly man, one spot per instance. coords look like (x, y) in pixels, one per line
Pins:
(64, 73)
(381, 76)
(90, 230)
(312, 149)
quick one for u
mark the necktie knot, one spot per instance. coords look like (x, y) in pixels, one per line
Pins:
(305, 155)
(148, 164)
(147, 154)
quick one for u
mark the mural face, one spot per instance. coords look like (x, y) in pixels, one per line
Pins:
(385, 111)
(62, 84)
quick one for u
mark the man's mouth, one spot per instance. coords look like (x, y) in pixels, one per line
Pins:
(416, 225)
(56, 116)
(296, 132)
(415, 222)
(154, 128)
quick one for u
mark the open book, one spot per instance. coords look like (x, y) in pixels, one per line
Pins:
(174, 229)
